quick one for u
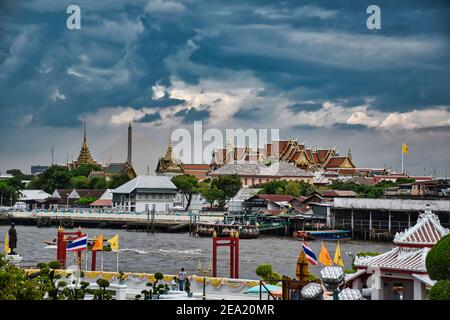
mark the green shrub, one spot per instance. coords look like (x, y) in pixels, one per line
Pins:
(264, 270)
(41, 265)
(438, 260)
(440, 291)
(54, 264)
(159, 276)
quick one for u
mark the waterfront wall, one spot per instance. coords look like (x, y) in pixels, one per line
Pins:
(136, 282)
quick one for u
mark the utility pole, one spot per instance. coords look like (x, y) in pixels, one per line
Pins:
(153, 218)
(148, 217)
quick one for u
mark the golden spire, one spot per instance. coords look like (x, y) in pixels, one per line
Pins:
(168, 155)
(85, 155)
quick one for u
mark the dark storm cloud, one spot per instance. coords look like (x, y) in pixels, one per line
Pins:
(295, 51)
(150, 117)
(305, 106)
(189, 115)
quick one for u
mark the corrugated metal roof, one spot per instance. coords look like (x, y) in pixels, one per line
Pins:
(278, 169)
(146, 182)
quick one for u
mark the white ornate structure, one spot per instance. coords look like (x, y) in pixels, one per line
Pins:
(403, 266)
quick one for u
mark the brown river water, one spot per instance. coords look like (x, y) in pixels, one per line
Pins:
(168, 252)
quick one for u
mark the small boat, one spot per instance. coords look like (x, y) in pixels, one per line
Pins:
(225, 230)
(322, 235)
(50, 243)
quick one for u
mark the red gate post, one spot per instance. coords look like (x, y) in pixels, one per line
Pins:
(61, 247)
(232, 255)
(214, 263)
(236, 255)
(94, 259)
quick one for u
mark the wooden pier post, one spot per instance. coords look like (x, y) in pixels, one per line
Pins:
(389, 222)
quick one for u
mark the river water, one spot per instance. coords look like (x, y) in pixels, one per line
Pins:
(168, 252)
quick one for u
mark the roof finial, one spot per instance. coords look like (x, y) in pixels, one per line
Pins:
(169, 147)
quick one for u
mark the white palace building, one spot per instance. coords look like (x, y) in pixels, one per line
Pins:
(403, 266)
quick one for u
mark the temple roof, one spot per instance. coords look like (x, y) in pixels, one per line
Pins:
(85, 156)
(413, 246)
(426, 232)
(404, 259)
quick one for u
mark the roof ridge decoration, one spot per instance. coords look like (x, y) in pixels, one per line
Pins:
(426, 232)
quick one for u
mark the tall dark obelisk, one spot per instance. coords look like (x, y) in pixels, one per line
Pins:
(129, 143)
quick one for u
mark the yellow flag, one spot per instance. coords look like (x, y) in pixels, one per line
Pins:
(337, 256)
(7, 248)
(114, 241)
(405, 149)
(324, 257)
(98, 244)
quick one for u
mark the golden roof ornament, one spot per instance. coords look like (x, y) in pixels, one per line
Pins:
(85, 156)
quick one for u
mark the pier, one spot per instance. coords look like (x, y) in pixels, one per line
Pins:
(128, 221)
(381, 219)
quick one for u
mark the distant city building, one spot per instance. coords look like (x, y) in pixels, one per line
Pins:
(62, 198)
(38, 169)
(253, 174)
(34, 199)
(145, 192)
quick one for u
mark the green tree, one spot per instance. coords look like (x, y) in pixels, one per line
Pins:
(292, 189)
(440, 291)
(118, 180)
(229, 185)
(188, 185)
(80, 182)
(210, 192)
(438, 260)
(8, 194)
(85, 170)
(55, 177)
(98, 183)
(85, 201)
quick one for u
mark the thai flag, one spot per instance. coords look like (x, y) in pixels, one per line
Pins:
(310, 256)
(79, 244)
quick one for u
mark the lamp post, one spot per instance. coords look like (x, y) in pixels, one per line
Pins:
(312, 291)
(333, 277)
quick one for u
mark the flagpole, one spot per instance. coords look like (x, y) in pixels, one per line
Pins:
(102, 262)
(402, 160)
(117, 260)
(87, 259)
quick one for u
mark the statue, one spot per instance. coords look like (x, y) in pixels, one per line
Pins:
(12, 235)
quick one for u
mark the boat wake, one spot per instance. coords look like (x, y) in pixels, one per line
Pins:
(50, 247)
(185, 252)
(133, 250)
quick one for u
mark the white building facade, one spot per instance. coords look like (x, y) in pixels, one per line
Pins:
(145, 193)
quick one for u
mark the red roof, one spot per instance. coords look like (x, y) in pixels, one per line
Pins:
(425, 233)
(337, 193)
(274, 197)
(335, 162)
(102, 203)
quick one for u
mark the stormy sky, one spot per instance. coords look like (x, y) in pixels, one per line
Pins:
(310, 68)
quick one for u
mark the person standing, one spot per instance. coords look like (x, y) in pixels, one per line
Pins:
(182, 279)
(12, 235)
